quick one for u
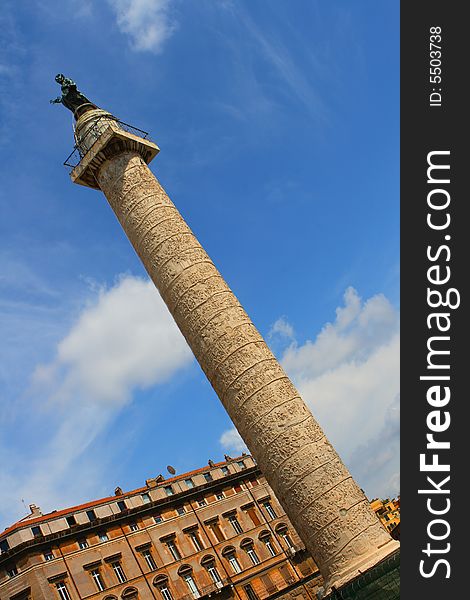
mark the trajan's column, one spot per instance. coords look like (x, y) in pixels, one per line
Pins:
(326, 506)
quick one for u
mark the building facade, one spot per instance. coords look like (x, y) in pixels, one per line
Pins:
(388, 512)
(216, 532)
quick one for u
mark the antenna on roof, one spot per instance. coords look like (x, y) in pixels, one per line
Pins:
(171, 470)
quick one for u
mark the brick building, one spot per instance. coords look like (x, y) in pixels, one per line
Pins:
(218, 531)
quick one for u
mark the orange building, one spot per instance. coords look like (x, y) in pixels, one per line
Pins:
(218, 531)
(388, 512)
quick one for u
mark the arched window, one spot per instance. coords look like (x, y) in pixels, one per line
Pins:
(207, 559)
(229, 554)
(283, 532)
(130, 593)
(248, 547)
(161, 582)
(266, 538)
(186, 573)
(228, 550)
(208, 562)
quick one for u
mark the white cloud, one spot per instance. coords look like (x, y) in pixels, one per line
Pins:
(375, 461)
(147, 22)
(283, 328)
(357, 333)
(124, 340)
(232, 440)
(349, 377)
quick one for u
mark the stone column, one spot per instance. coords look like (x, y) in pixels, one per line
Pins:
(325, 505)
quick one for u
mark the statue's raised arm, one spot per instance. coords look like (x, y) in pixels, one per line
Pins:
(71, 97)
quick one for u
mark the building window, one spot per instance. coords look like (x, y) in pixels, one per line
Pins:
(48, 555)
(217, 532)
(214, 575)
(250, 592)
(241, 464)
(146, 498)
(82, 544)
(189, 483)
(251, 512)
(225, 470)
(282, 531)
(62, 590)
(201, 502)
(71, 521)
(191, 585)
(232, 559)
(269, 545)
(252, 554)
(36, 531)
(196, 540)
(208, 477)
(96, 576)
(269, 509)
(12, 571)
(4, 546)
(237, 488)
(122, 505)
(220, 495)
(173, 548)
(235, 523)
(91, 515)
(268, 584)
(168, 490)
(152, 565)
(119, 572)
(165, 591)
(181, 510)
(158, 518)
(103, 536)
(286, 537)
(133, 526)
(286, 574)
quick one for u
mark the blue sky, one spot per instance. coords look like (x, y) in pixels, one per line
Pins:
(278, 124)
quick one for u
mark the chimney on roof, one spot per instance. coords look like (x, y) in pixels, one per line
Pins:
(35, 511)
(210, 463)
(227, 457)
(118, 491)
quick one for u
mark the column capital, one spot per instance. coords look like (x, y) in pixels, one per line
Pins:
(100, 136)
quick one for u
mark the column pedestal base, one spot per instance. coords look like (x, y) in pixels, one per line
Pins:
(381, 582)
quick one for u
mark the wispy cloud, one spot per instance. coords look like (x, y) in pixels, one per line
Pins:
(148, 23)
(279, 58)
(124, 340)
(232, 440)
(282, 328)
(349, 377)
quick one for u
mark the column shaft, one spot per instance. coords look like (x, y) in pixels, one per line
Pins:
(325, 505)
